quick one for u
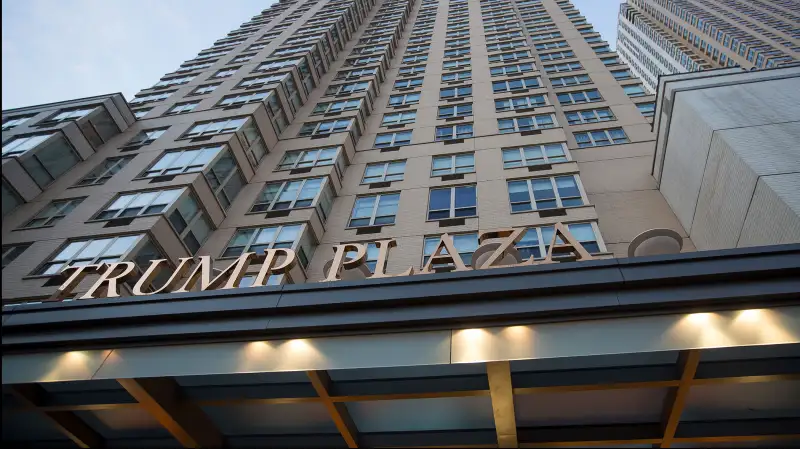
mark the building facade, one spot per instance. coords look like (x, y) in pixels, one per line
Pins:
(658, 37)
(499, 149)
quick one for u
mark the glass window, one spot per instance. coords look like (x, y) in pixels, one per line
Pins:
(457, 110)
(452, 202)
(601, 137)
(413, 70)
(393, 139)
(556, 55)
(11, 252)
(589, 116)
(11, 199)
(216, 127)
(466, 244)
(13, 122)
(549, 153)
(519, 124)
(565, 81)
(384, 171)
(182, 161)
(91, 251)
(53, 213)
(146, 137)
(647, 109)
(460, 131)
(372, 256)
(250, 97)
(70, 114)
(181, 108)
(256, 240)
(399, 118)
(582, 96)
(286, 195)
(336, 106)
(516, 84)
(308, 158)
(622, 74)
(452, 164)
(511, 69)
(456, 76)
(565, 67)
(536, 241)
(517, 103)
(544, 193)
(374, 210)
(136, 204)
(326, 127)
(225, 178)
(455, 92)
(403, 99)
(634, 90)
(343, 89)
(407, 84)
(21, 144)
(104, 171)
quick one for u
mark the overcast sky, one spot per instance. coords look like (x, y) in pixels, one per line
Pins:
(56, 50)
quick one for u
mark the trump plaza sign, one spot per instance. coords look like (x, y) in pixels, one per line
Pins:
(190, 271)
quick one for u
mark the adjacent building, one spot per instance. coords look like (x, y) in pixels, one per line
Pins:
(658, 37)
(499, 149)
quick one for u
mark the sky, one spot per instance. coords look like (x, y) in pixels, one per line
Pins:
(55, 50)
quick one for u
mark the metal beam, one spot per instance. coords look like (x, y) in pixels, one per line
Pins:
(502, 394)
(321, 382)
(33, 396)
(185, 420)
(676, 399)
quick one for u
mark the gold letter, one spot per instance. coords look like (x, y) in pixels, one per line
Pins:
(152, 271)
(512, 236)
(267, 267)
(65, 289)
(111, 288)
(339, 262)
(383, 258)
(452, 256)
(571, 246)
(203, 271)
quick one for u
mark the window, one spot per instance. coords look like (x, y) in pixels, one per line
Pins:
(516, 84)
(566, 67)
(456, 76)
(549, 153)
(224, 73)
(466, 244)
(91, 251)
(336, 106)
(413, 70)
(544, 193)
(374, 210)
(69, 114)
(344, 89)
(10, 199)
(384, 172)
(393, 139)
(601, 138)
(453, 164)
(457, 52)
(458, 110)
(104, 171)
(461, 63)
(452, 202)
(614, 60)
(418, 48)
(448, 132)
(517, 103)
(241, 58)
(358, 73)
(622, 74)
(513, 56)
(308, 158)
(372, 256)
(326, 127)
(180, 108)
(581, 96)
(511, 69)
(505, 46)
(139, 113)
(647, 109)
(556, 55)
(13, 122)
(137, 204)
(634, 90)
(21, 144)
(182, 161)
(408, 84)
(590, 116)
(602, 49)
(53, 213)
(256, 240)
(225, 178)
(294, 194)
(414, 59)
(215, 127)
(550, 45)
(173, 81)
(520, 124)
(398, 118)
(11, 252)
(455, 92)
(545, 36)
(575, 80)
(536, 241)
(456, 43)
(403, 99)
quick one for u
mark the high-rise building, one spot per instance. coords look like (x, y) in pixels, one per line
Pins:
(474, 175)
(657, 37)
